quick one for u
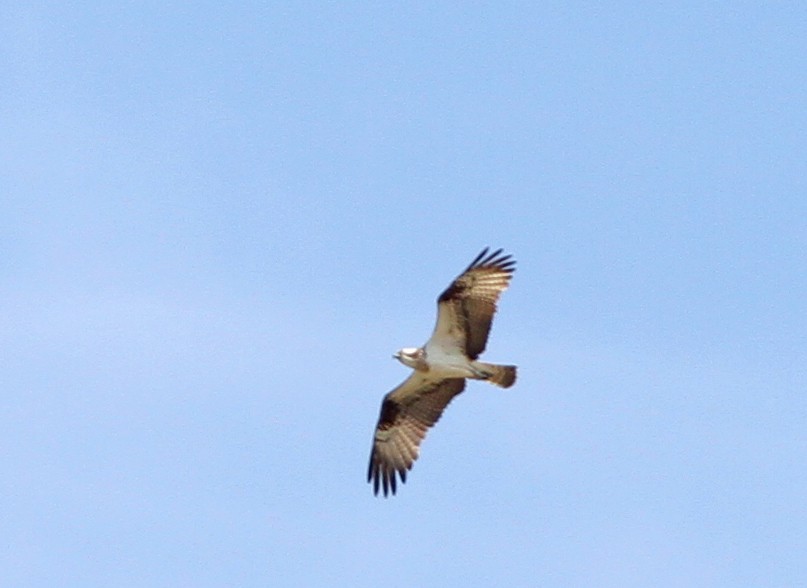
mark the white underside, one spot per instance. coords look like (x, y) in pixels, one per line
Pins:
(449, 363)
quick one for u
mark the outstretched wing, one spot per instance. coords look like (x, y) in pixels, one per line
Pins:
(465, 310)
(406, 415)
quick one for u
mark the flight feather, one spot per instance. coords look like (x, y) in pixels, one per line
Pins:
(407, 413)
(466, 308)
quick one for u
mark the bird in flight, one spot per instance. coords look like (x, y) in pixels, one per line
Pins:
(464, 315)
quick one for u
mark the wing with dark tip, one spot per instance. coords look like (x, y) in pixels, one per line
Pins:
(407, 413)
(465, 309)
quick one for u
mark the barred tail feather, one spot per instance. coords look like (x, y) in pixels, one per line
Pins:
(500, 375)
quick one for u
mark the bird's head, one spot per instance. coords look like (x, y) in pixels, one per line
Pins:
(408, 356)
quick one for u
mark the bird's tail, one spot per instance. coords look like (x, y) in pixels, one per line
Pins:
(501, 375)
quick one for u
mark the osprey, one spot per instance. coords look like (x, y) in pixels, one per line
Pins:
(464, 314)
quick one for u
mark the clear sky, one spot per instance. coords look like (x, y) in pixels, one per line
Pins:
(218, 222)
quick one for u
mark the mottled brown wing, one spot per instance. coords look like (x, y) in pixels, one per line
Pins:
(406, 415)
(465, 310)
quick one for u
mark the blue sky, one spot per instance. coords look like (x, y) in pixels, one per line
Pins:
(219, 222)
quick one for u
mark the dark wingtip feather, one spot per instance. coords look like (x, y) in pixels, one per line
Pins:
(477, 258)
(372, 476)
(384, 481)
(495, 258)
(492, 258)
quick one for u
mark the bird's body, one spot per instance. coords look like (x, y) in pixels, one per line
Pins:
(440, 367)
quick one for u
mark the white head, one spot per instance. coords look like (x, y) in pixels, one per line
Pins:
(409, 356)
